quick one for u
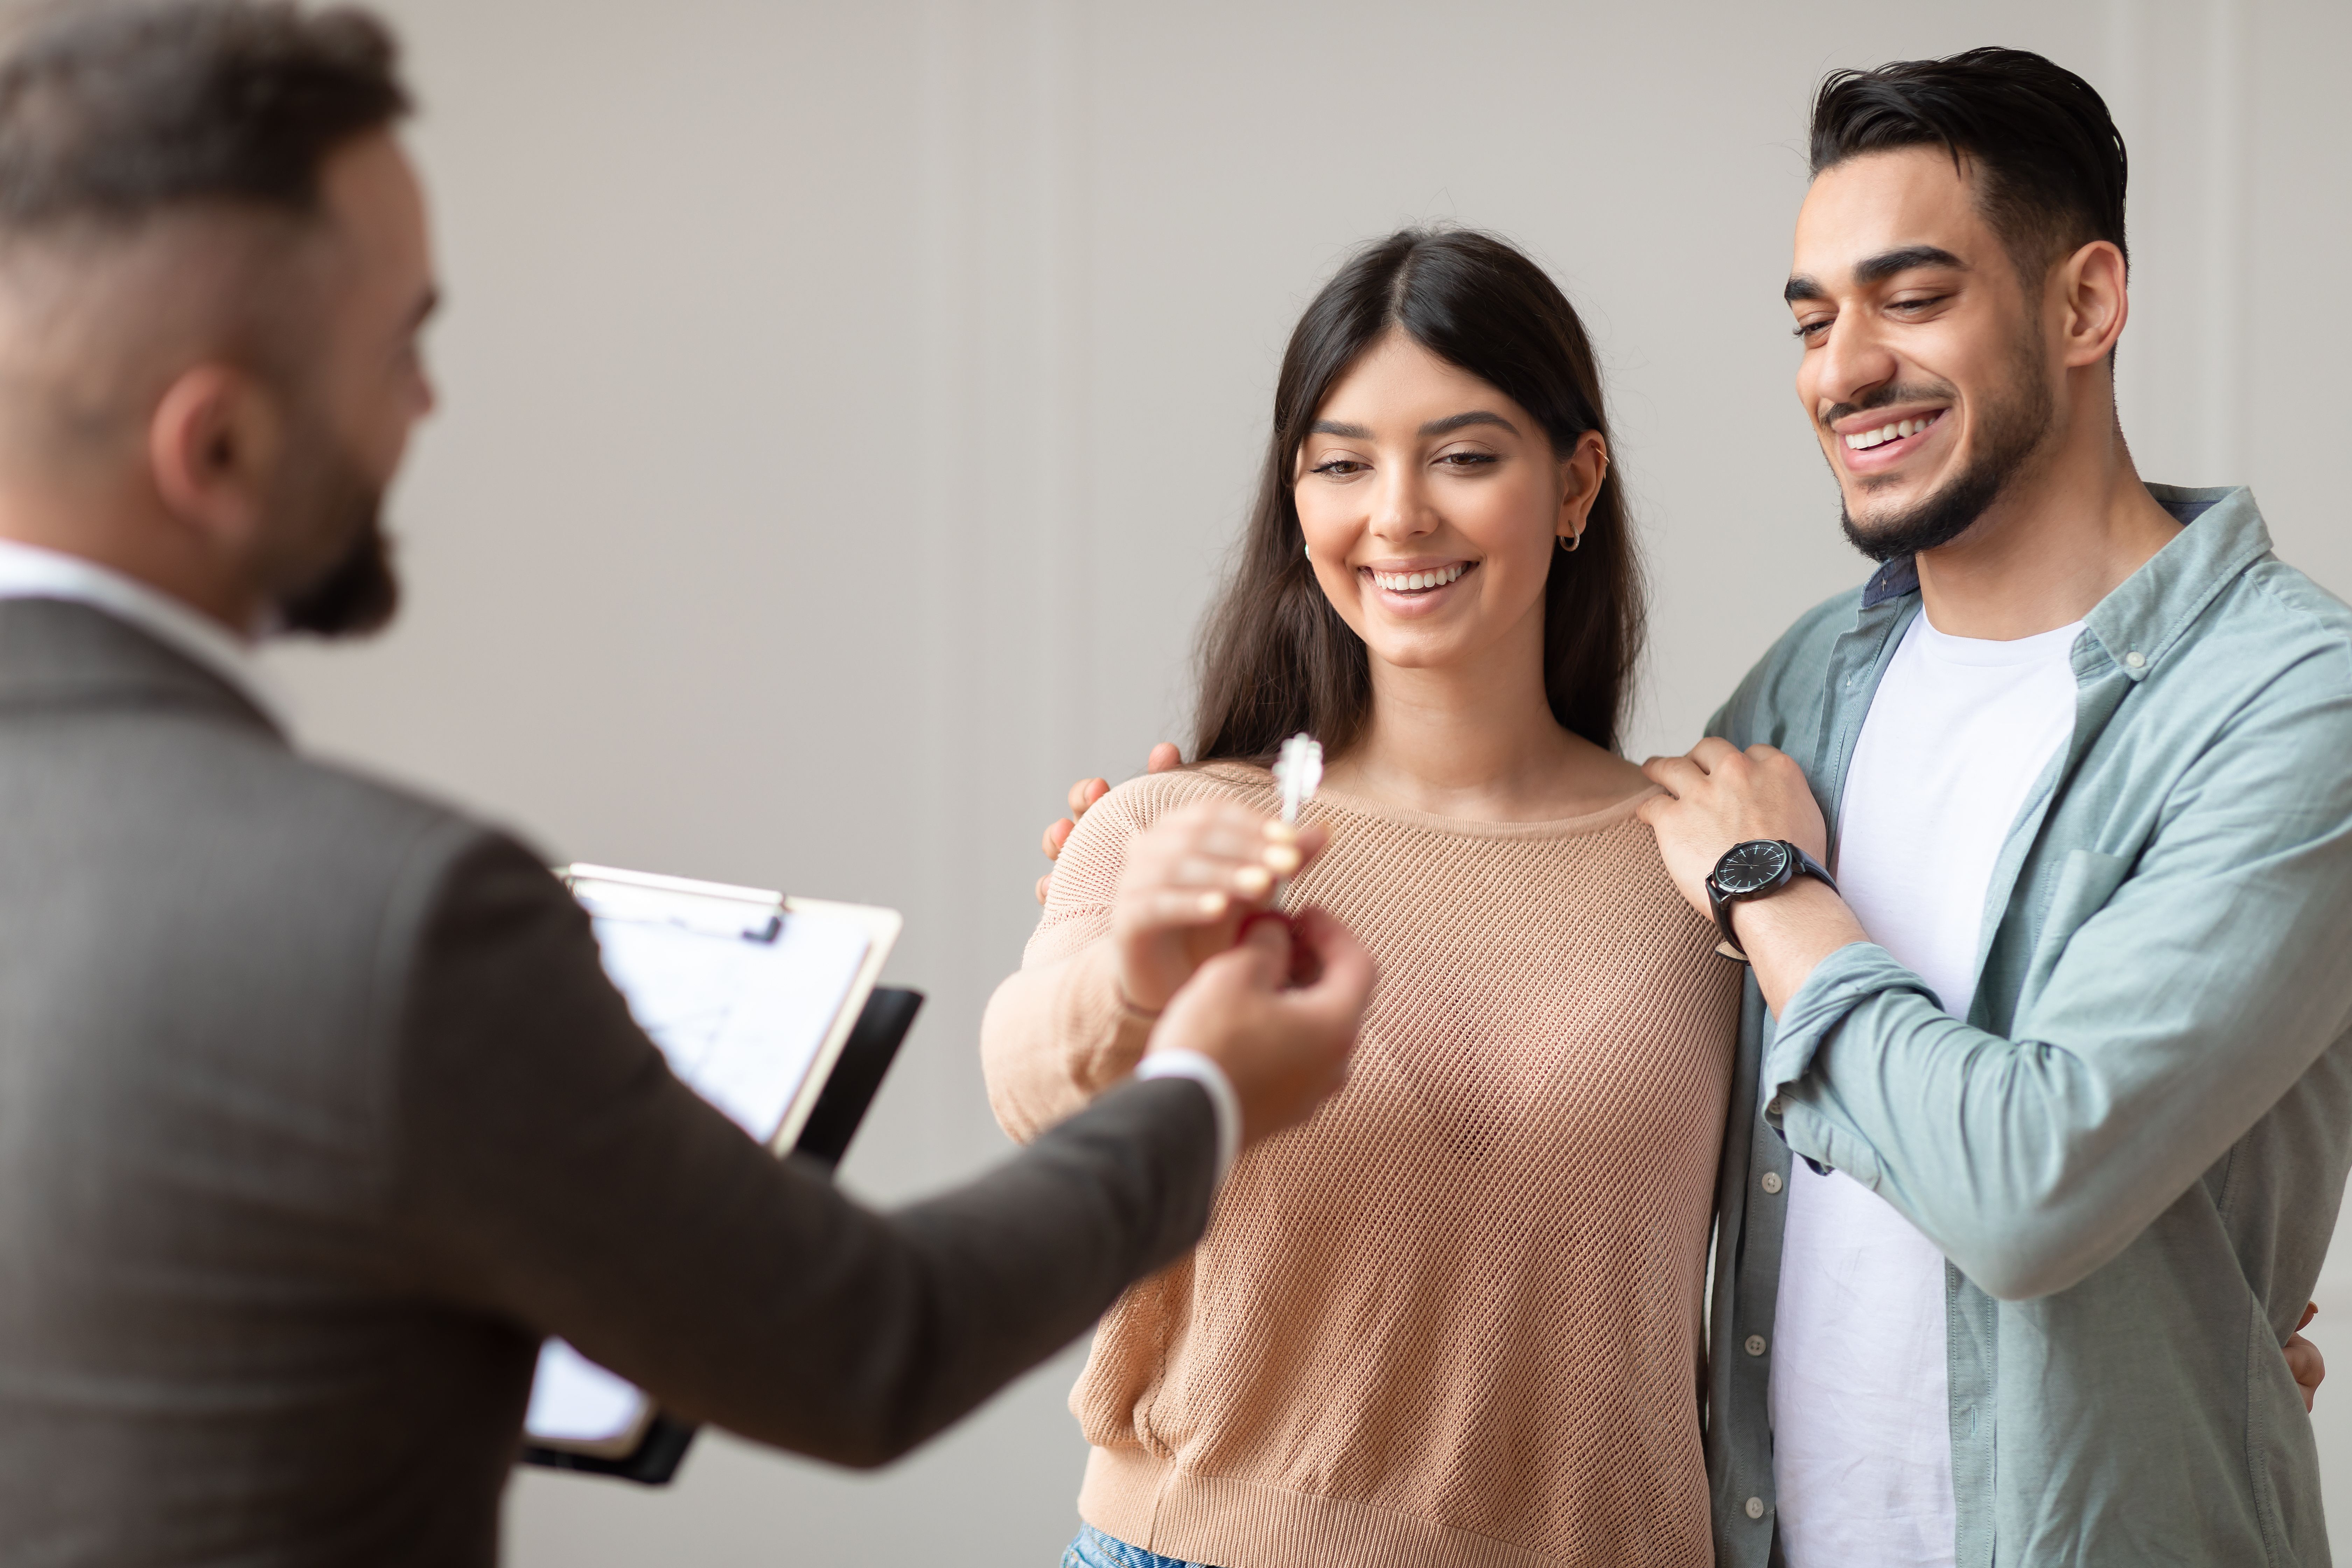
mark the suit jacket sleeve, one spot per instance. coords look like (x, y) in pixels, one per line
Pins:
(553, 1171)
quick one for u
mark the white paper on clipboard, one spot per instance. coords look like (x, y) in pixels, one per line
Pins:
(751, 996)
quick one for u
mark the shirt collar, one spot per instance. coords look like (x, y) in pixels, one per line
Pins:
(1892, 580)
(29, 571)
(2221, 534)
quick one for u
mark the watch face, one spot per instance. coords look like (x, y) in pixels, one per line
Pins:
(1759, 863)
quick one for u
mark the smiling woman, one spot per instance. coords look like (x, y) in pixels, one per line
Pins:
(1513, 399)
(1454, 1318)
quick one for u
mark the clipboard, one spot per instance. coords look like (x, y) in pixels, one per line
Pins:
(767, 1007)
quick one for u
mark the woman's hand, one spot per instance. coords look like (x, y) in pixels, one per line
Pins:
(1189, 884)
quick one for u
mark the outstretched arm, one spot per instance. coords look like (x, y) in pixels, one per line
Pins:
(557, 1176)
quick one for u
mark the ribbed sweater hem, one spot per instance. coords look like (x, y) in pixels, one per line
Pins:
(1156, 1504)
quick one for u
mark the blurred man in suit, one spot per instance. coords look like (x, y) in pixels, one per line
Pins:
(316, 1111)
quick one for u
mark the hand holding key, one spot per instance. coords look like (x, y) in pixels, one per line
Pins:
(1282, 1046)
(1190, 881)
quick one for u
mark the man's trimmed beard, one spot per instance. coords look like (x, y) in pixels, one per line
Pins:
(326, 495)
(2014, 429)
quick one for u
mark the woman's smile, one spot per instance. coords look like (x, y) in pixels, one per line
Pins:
(1412, 586)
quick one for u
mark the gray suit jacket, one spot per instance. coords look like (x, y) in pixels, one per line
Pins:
(317, 1112)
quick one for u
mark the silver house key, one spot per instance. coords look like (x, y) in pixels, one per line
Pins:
(1297, 772)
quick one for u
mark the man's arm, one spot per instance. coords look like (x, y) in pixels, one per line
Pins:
(556, 1172)
(2207, 979)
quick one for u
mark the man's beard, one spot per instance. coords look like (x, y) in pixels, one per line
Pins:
(2013, 429)
(327, 496)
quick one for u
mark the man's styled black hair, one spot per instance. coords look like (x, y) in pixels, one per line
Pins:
(2047, 159)
(113, 110)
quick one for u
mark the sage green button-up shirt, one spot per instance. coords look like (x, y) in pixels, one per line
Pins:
(2132, 1149)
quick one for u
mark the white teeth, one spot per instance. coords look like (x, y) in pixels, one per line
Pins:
(1863, 440)
(1413, 582)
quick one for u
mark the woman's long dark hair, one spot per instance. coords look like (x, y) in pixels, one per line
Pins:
(1276, 657)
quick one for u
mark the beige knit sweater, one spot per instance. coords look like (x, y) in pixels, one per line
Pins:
(1454, 1318)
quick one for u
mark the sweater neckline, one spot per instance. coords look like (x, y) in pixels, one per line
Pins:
(1340, 802)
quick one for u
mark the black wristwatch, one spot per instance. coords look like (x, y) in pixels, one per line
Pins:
(1752, 869)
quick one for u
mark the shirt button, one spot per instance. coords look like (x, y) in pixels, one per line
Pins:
(1772, 1106)
(1756, 1508)
(1771, 1181)
(2136, 659)
(1756, 1344)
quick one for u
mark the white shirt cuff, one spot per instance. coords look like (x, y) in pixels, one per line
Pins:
(1211, 1076)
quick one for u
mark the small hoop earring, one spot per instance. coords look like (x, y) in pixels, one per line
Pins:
(1568, 542)
(1306, 550)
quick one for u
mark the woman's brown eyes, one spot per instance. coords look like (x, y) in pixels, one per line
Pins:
(1342, 468)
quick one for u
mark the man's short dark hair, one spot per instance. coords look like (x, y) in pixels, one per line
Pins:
(2047, 159)
(112, 112)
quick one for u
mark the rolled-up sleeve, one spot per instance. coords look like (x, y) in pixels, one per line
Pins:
(2171, 998)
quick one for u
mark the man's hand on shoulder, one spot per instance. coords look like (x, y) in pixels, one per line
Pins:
(1164, 758)
(1719, 795)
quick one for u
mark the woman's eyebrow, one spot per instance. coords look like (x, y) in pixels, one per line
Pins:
(1476, 416)
(1434, 428)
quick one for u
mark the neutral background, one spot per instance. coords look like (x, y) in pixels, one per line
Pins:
(846, 408)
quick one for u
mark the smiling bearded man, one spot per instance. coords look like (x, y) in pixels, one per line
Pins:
(2017, 430)
(2049, 1092)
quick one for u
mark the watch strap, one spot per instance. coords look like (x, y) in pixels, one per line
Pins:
(1806, 866)
(1799, 864)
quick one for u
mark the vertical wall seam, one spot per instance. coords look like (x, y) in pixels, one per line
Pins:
(1078, 732)
(945, 441)
(2227, 220)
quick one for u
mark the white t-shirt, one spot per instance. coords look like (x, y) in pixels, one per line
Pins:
(1862, 1449)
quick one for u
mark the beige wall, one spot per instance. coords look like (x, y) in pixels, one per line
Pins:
(847, 406)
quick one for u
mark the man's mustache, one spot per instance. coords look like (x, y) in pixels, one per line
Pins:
(1888, 396)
